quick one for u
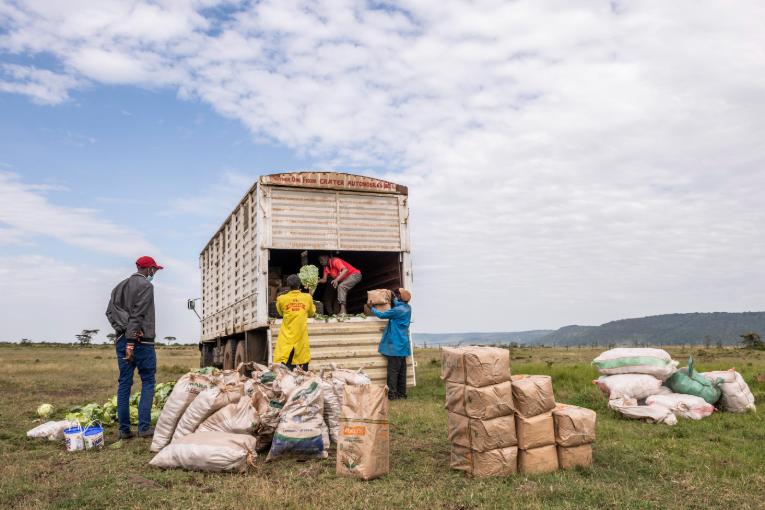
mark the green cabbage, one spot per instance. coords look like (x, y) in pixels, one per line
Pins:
(309, 276)
(44, 410)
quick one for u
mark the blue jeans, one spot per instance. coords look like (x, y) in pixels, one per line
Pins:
(145, 360)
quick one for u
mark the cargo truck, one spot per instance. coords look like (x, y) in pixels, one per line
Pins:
(283, 222)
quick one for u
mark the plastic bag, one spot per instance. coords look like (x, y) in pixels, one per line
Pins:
(635, 386)
(301, 431)
(208, 451)
(622, 360)
(736, 396)
(686, 406)
(689, 382)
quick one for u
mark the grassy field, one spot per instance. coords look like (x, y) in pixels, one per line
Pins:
(718, 462)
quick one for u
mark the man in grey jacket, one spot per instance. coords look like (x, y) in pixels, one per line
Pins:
(131, 314)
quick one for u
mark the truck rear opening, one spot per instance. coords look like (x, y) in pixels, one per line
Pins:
(283, 222)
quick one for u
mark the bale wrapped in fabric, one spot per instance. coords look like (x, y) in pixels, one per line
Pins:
(736, 396)
(184, 392)
(301, 432)
(497, 462)
(533, 394)
(538, 460)
(482, 435)
(629, 408)
(208, 451)
(535, 431)
(637, 386)
(686, 406)
(475, 365)
(204, 405)
(363, 449)
(379, 297)
(483, 403)
(238, 418)
(689, 382)
(575, 456)
(638, 360)
(574, 425)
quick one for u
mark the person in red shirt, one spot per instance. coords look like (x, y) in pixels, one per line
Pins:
(344, 277)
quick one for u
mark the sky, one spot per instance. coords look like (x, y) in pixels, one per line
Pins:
(568, 162)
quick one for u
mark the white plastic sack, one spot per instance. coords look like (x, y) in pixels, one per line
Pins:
(686, 406)
(635, 386)
(208, 451)
(184, 392)
(736, 395)
(629, 408)
(345, 376)
(206, 403)
(332, 386)
(302, 432)
(639, 360)
(238, 418)
(52, 430)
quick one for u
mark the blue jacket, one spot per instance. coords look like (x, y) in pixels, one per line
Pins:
(395, 339)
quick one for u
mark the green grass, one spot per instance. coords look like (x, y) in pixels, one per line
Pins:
(718, 462)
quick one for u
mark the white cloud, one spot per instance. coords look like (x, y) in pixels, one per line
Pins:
(574, 162)
(41, 85)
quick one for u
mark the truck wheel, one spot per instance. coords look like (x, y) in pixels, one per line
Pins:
(228, 354)
(240, 356)
(206, 358)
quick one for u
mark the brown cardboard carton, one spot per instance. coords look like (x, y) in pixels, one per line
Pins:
(533, 394)
(574, 425)
(484, 403)
(569, 457)
(475, 366)
(482, 435)
(535, 431)
(538, 460)
(499, 462)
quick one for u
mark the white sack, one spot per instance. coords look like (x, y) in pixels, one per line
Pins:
(184, 392)
(206, 403)
(686, 406)
(628, 408)
(53, 430)
(636, 360)
(635, 386)
(208, 451)
(332, 388)
(736, 395)
(238, 418)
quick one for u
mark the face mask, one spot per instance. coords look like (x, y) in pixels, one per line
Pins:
(150, 277)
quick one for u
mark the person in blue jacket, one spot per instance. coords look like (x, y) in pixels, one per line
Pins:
(394, 344)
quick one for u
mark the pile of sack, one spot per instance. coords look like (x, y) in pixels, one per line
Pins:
(645, 383)
(501, 424)
(219, 421)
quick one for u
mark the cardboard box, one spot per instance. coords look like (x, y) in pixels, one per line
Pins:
(573, 456)
(534, 432)
(538, 460)
(574, 425)
(482, 435)
(499, 462)
(484, 403)
(533, 394)
(475, 366)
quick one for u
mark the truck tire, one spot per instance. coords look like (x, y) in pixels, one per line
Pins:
(228, 354)
(206, 356)
(240, 356)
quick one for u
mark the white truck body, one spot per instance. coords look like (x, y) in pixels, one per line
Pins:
(364, 220)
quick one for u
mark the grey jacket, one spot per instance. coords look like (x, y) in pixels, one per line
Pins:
(131, 307)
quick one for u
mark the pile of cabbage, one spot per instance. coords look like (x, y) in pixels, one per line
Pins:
(107, 413)
(309, 277)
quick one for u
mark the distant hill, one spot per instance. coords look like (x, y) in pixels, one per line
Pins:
(671, 329)
(438, 339)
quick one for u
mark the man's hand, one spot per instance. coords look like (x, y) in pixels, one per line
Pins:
(129, 352)
(335, 283)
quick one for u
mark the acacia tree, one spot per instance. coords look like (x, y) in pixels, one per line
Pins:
(86, 337)
(752, 340)
(170, 339)
(112, 337)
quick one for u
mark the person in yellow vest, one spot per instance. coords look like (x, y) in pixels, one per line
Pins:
(292, 344)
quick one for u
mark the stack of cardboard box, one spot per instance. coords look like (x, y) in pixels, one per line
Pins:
(500, 425)
(479, 398)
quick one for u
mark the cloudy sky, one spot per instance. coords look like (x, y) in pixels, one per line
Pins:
(568, 162)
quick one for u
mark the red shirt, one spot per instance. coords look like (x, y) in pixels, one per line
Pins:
(335, 265)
